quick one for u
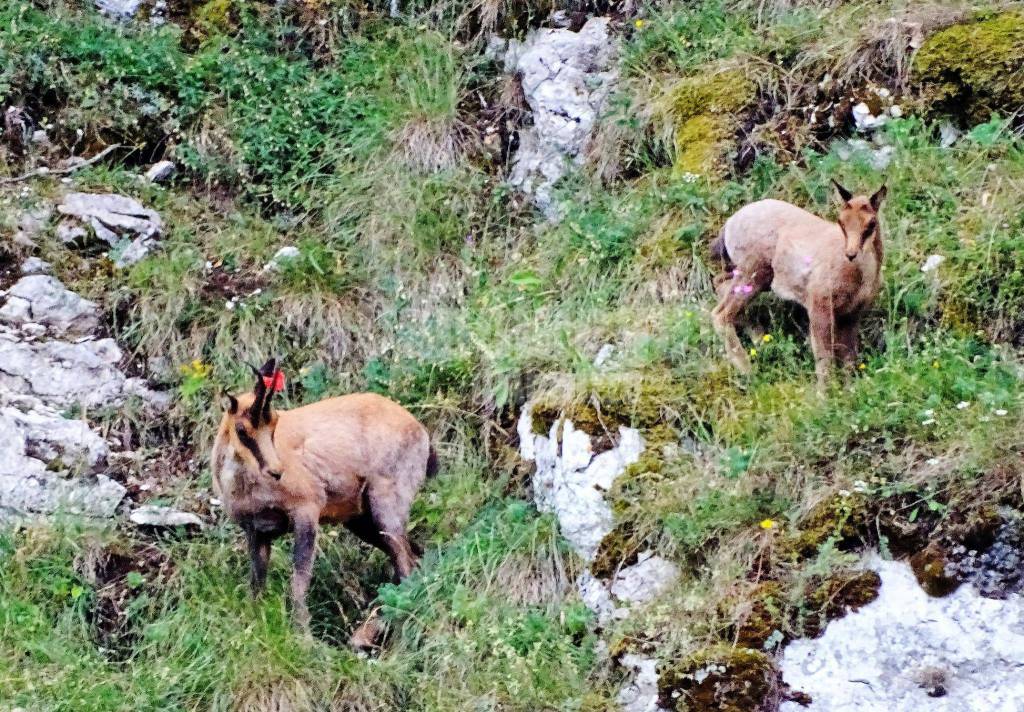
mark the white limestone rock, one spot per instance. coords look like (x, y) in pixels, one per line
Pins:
(641, 693)
(888, 655)
(151, 515)
(566, 78)
(42, 299)
(122, 222)
(571, 482)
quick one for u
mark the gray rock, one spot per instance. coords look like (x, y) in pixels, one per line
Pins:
(284, 255)
(118, 220)
(38, 447)
(69, 232)
(62, 374)
(161, 171)
(150, 515)
(34, 265)
(645, 580)
(40, 138)
(119, 9)
(570, 481)
(640, 694)
(885, 656)
(42, 299)
(566, 78)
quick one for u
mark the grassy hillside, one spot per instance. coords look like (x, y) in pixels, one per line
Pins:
(360, 139)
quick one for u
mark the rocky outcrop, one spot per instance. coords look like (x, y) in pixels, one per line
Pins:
(39, 451)
(41, 299)
(130, 229)
(49, 362)
(566, 78)
(908, 651)
(570, 482)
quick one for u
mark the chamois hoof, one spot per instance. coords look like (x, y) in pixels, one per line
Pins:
(365, 638)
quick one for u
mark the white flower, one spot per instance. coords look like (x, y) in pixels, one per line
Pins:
(929, 413)
(930, 421)
(961, 405)
(860, 486)
(932, 461)
(932, 263)
(1000, 412)
(844, 493)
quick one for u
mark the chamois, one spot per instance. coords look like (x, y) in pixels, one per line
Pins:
(357, 459)
(832, 269)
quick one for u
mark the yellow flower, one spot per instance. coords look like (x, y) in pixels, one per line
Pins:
(862, 366)
(767, 338)
(639, 24)
(753, 352)
(767, 523)
(935, 364)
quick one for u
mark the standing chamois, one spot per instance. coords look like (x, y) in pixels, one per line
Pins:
(832, 269)
(357, 460)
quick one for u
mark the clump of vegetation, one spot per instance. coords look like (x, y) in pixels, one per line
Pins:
(975, 68)
(720, 678)
(704, 112)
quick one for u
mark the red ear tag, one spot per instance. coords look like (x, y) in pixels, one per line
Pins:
(275, 382)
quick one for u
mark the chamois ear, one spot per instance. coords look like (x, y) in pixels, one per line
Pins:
(843, 192)
(878, 197)
(230, 404)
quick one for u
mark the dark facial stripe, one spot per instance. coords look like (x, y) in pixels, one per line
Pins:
(250, 445)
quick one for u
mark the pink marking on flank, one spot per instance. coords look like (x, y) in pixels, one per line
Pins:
(807, 259)
(742, 289)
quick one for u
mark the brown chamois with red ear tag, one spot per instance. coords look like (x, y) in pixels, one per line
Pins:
(357, 460)
(832, 269)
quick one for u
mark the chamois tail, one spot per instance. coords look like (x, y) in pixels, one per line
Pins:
(432, 464)
(718, 249)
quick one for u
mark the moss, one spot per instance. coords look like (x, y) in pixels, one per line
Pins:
(618, 548)
(703, 113)
(833, 597)
(720, 678)
(764, 616)
(840, 518)
(975, 68)
(929, 567)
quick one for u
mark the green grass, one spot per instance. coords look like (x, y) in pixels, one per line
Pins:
(423, 277)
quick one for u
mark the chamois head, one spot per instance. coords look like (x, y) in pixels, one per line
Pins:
(251, 420)
(858, 218)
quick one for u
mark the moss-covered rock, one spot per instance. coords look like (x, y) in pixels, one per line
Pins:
(929, 566)
(764, 613)
(722, 679)
(839, 518)
(703, 113)
(974, 69)
(833, 597)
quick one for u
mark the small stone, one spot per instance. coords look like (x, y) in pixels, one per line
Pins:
(161, 171)
(932, 263)
(282, 256)
(164, 517)
(35, 265)
(40, 138)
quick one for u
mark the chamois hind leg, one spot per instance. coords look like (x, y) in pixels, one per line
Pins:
(823, 332)
(733, 298)
(305, 525)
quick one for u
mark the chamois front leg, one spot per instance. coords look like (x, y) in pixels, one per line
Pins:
(259, 555)
(847, 339)
(305, 526)
(823, 325)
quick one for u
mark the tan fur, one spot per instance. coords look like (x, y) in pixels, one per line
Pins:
(833, 269)
(357, 459)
